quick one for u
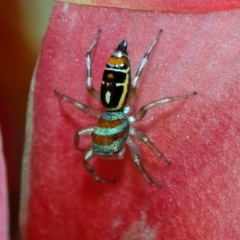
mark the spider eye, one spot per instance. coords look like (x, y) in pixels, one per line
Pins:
(115, 136)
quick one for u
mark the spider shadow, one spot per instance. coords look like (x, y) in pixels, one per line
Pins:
(110, 169)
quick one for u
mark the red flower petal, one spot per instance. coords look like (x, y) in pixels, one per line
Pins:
(183, 6)
(200, 198)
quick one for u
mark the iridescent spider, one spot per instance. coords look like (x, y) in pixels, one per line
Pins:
(113, 130)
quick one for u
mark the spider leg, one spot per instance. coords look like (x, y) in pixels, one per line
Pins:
(121, 153)
(84, 108)
(78, 134)
(90, 87)
(89, 154)
(144, 138)
(143, 110)
(137, 161)
(141, 67)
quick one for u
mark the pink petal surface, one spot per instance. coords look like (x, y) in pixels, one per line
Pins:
(200, 198)
(3, 197)
(182, 6)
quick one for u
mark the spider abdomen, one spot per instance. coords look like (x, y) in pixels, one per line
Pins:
(116, 79)
(111, 133)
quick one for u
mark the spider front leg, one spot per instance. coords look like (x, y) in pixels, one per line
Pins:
(84, 108)
(120, 155)
(144, 138)
(137, 161)
(89, 154)
(79, 133)
(143, 110)
(90, 87)
(141, 68)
